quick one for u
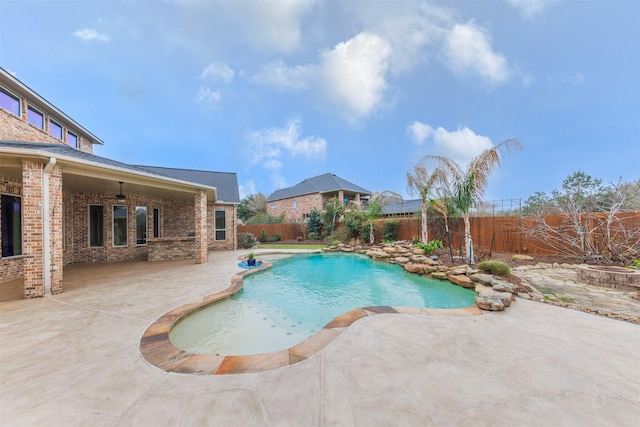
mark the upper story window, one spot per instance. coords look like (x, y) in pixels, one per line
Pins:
(35, 117)
(10, 102)
(55, 130)
(72, 139)
(294, 205)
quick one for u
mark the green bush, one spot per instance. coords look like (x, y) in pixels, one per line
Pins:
(390, 230)
(635, 264)
(365, 232)
(496, 268)
(314, 224)
(276, 237)
(352, 222)
(263, 236)
(430, 247)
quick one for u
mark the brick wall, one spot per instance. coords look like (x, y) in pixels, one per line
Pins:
(177, 219)
(304, 205)
(55, 218)
(32, 244)
(231, 224)
(171, 248)
(14, 128)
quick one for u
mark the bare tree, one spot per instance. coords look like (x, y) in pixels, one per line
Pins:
(589, 222)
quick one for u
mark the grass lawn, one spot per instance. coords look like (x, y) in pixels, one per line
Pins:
(289, 246)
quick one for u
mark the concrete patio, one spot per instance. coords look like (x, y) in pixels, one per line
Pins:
(73, 359)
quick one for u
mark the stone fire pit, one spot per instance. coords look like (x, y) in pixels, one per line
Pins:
(607, 276)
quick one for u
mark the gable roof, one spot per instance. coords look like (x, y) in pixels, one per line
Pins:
(225, 182)
(325, 183)
(406, 206)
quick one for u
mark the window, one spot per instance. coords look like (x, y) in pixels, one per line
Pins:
(141, 225)
(96, 226)
(119, 225)
(273, 205)
(294, 204)
(11, 211)
(9, 102)
(156, 222)
(55, 130)
(72, 139)
(221, 227)
(35, 117)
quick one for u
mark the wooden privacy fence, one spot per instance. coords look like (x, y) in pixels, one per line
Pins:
(498, 233)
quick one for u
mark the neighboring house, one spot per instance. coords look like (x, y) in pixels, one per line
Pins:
(402, 209)
(61, 204)
(313, 193)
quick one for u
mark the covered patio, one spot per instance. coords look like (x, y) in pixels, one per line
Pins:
(73, 359)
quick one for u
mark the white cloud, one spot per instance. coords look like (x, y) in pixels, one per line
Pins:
(217, 71)
(529, 8)
(419, 132)
(409, 27)
(208, 96)
(461, 145)
(279, 75)
(89, 35)
(268, 146)
(468, 49)
(353, 73)
(351, 76)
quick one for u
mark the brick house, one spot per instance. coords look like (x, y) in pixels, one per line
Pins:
(313, 193)
(61, 204)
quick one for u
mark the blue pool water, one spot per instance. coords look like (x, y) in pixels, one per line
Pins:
(282, 306)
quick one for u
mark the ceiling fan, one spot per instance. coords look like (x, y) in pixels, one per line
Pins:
(121, 196)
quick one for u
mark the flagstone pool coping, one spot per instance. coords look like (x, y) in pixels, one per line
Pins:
(157, 349)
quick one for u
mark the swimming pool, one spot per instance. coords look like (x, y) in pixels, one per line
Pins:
(281, 307)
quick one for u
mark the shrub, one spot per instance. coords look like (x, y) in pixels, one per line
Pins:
(390, 230)
(430, 247)
(263, 236)
(276, 237)
(496, 268)
(352, 223)
(246, 240)
(314, 224)
(365, 232)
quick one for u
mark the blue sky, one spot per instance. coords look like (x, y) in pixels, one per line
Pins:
(279, 91)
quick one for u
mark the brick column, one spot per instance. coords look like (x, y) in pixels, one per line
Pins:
(55, 224)
(32, 229)
(201, 227)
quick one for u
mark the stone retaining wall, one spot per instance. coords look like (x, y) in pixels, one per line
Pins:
(171, 248)
(609, 277)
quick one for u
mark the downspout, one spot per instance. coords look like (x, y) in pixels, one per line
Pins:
(46, 227)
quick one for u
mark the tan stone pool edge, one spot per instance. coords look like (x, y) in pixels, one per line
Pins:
(157, 349)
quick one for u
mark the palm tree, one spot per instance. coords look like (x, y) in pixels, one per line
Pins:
(423, 182)
(466, 187)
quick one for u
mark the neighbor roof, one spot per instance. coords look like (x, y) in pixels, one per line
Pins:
(406, 206)
(325, 183)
